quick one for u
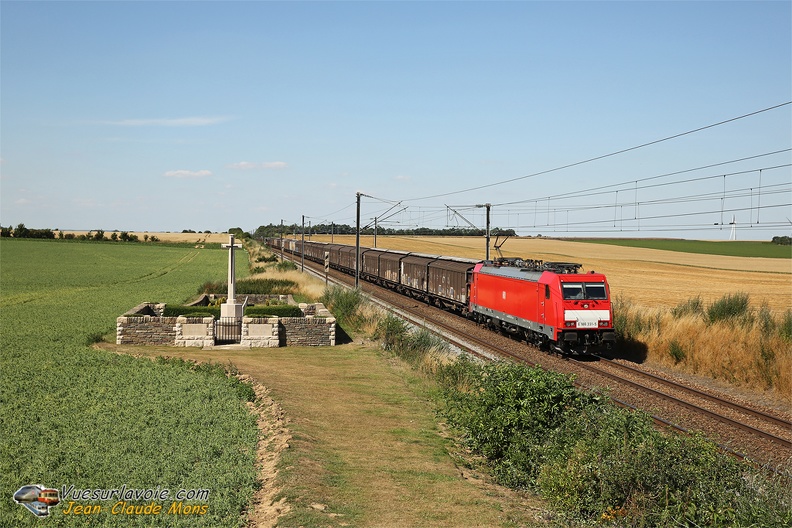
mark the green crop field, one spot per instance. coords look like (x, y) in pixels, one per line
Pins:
(71, 415)
(730, 249)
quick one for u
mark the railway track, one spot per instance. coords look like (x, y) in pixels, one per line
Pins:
(741, 429)
(755, 422)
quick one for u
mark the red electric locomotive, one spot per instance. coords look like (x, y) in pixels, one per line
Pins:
(549, 304)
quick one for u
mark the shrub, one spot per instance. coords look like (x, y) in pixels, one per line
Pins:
(730, 307)
(286, 265)
(676, 351)
(510, 413)
(283, 310)
(690, 307)
(191, 311)
(252, 287)
(345, 305)
(785, 327)
(417, 345)
(392, 332)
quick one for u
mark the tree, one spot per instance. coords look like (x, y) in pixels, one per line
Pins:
(21, 231)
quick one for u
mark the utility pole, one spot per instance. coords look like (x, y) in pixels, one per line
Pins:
(375, 231)
(332, 232)
(281, 240)
(488, 206)
(302, 248)
(487, 232)
(357, 244)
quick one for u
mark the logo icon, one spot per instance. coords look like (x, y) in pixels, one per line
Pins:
(37, 499)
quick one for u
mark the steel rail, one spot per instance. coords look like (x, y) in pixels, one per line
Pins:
(780, 422)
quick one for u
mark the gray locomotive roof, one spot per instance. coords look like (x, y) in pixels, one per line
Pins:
(512, 272)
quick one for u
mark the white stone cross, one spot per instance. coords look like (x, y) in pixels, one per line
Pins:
(231, 310)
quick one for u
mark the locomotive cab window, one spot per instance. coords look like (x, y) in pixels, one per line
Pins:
(572, 291)
(575, 291)
(595, 291)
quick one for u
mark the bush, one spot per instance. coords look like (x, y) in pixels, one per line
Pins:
(252, 287)
(345, 305)
(785, 327)
(283, 310)
(286, 265)
(191, 311)
(730, 307)
(392, 332)
(676, 351)
(690, 307)
(510, 413)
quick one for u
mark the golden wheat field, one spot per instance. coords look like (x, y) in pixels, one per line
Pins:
(649, 277)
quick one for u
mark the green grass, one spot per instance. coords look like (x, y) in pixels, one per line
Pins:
(366, 449)
(74, 415)
(731, 248)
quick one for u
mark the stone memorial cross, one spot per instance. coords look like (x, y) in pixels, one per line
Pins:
(230, 308)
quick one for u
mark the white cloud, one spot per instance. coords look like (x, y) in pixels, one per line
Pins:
(170, 122)
(23, 201)
(249, 165)
(403, 178)
(182, 173)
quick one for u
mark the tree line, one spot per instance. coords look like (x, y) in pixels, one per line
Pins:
(276, 230)
(20, 231)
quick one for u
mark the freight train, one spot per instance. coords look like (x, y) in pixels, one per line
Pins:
(549, 304)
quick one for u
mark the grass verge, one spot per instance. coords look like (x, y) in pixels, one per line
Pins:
(367, 448)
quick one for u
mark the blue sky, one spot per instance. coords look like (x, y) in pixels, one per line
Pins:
(163, 116)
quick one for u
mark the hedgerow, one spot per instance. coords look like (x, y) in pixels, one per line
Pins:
(596, 462)
(251, 287)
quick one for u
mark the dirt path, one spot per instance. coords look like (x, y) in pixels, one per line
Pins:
(274, 438)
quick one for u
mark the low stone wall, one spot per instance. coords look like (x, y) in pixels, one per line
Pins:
(307, 331)
(145, 330)
(140, 327)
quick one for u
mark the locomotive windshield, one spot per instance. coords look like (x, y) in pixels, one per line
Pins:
(584, 290)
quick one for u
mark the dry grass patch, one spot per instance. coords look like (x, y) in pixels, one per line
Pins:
(749, 351)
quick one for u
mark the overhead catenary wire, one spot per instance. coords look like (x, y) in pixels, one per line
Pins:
(597, 158)
(588, 191)
(430, 215)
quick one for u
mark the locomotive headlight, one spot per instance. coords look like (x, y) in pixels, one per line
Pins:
(569, 324)
(604, 323)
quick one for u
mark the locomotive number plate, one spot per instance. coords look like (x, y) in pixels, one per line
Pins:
(587, 324)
